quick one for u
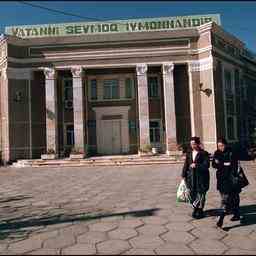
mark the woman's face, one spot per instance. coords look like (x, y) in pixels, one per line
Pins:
(221, 146)
(194, 145)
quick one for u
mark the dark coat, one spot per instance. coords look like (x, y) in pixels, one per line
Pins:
(224, 173)
(198, 179)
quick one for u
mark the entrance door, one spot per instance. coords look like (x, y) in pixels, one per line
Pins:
(111, 137)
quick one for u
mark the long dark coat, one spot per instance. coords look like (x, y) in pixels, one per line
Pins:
(224, 173)
(198, 179)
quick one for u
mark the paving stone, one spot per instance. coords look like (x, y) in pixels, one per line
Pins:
(103, 226)
(26, 245)
(240, 252)
(131, 223)
(179, 226)
(210, 233)
(114, 246)
(59, 242)
(151, 230)
(179, 217)
(92, 237)
(178, 236)
(3, 247)
(240, 242)
(207, 246)
(146, 242)
(74, 229)
(45, 251)
(122, 233)
(46, 235)
(139, 252)
(253, 235)
(112, 219)
(173, 249)
(155, 220)
(80, 249)
(8, 252)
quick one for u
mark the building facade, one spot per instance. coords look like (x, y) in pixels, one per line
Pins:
(118, 92)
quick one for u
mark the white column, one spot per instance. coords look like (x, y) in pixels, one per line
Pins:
(78, 107)
(169, 107)
(142, 82)
(51, 109)
(191, 100)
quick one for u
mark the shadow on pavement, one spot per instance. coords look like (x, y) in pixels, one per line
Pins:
(13, 198)
(26, 223)
(248, 217)
(212, 212)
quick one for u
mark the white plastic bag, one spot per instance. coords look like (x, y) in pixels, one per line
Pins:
(183, 194)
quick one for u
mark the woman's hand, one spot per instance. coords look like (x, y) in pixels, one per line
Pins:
(193, 165)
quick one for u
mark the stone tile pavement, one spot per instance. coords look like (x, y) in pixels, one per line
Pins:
(115, 210)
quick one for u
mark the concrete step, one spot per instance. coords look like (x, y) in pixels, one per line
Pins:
(98, 161)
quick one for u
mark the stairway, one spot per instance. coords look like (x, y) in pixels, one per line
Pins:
(123, 160)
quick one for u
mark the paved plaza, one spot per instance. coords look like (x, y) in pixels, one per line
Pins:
(115, 210)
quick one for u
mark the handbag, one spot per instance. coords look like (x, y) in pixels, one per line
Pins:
(183, 193)
(240, 180)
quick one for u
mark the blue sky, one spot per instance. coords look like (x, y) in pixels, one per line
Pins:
(237, 18)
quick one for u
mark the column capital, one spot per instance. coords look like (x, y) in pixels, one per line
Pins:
(49, 73)
(141, 69)
(77, 71)
(167, 68)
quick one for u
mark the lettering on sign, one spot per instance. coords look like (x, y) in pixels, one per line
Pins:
(85, 28)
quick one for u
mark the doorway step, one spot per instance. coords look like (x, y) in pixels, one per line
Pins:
(120, 160)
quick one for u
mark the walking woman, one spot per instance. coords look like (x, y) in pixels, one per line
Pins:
(196, 174)
(226, 163)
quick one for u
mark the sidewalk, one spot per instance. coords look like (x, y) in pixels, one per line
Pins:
(115, 210)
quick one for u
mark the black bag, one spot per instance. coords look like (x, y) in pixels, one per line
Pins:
(239, 180)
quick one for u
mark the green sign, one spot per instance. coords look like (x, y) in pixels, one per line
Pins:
(121, 26)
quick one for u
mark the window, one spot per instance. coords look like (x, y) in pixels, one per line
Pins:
(111, 89)
(68, 93)
(70, 139)
(154, 127)
(230, 106)
(128, 88)
(231, 127)
(228, 82)
(94, 89)
(153, 87)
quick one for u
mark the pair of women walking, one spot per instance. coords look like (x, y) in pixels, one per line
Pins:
(197, 178)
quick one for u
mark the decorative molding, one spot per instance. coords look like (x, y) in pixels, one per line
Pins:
(141, 69)
(201, 65)
(77, 71)
(167, 68)
(49, 73)
(17, 73)
(107, 54)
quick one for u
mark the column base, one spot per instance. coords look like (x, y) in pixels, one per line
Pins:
(174, 152)
(49, 156)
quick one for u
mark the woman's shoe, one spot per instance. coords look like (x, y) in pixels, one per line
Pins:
(200, 214)
(220, 221)
(235, 218)
(194, 213)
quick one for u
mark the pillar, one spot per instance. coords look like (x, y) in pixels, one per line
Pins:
(51, 109)
(169, 107)
(143, 107)
(78, 108)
